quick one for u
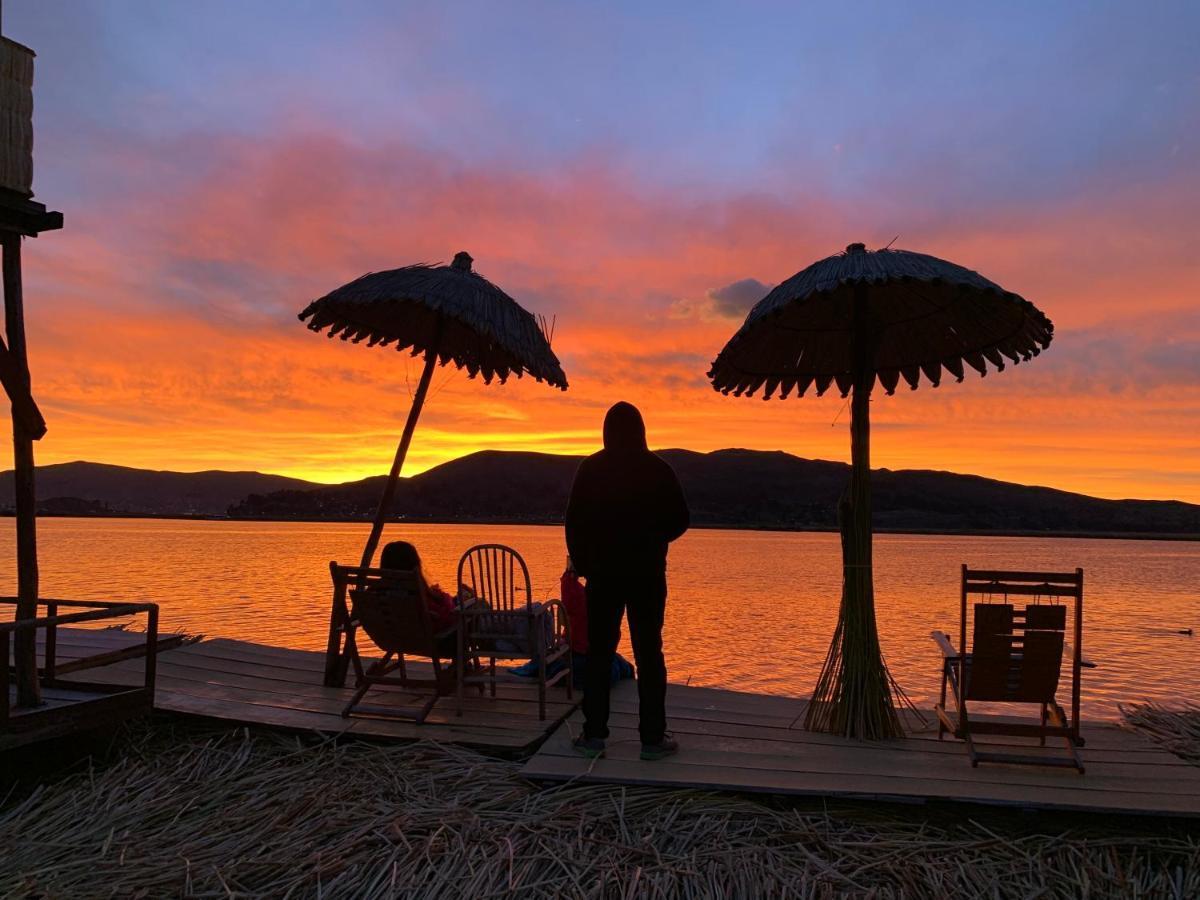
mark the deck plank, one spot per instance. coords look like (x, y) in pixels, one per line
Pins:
(73, 644)
(726, 745)
(238, 681)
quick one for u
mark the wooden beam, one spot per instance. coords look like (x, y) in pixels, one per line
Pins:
(23, 215)
(24, 495)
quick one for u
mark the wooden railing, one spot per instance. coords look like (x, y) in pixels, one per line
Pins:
(91, 611)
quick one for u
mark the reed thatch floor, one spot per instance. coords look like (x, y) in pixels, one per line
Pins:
(199, 811)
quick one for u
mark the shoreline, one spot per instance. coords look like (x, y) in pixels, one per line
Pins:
(541, 523)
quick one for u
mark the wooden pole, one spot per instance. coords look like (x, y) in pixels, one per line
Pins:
(853, 693)
(389, 490)
(25, 640)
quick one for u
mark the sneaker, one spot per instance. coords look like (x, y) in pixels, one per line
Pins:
(668, 746)
(589, 747)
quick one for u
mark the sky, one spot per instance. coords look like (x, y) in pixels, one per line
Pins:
(642, 172)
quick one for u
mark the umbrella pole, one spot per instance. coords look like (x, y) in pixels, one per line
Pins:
(853, 696)
(389, 490)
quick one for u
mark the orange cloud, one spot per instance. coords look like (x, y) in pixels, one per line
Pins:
(163, 330)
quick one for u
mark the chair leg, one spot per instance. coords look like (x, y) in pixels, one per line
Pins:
(356, 699)
(492, 674)
(460, 684)
(942, 703)
(354, 658)
(1045, 716)
(366, 682)
(1058, 716)
(541, 683)
(964, 725)
(424, 711)
(460, 665)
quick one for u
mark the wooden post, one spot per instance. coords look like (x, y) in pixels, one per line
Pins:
(25, 639)
(389, 489)
(1077, 656)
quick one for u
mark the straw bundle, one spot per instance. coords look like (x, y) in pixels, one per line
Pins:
(253, 814)
(1176, 729)
(458, 313)
(16, 117)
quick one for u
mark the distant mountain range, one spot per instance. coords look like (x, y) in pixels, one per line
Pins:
(88, 488)
(725, 488)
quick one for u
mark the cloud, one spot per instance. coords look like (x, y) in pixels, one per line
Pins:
(731, 301)
(163, 332)
(736, 298)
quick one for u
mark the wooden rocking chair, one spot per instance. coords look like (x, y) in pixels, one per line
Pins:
(391, 607)
(1016, 657)
(505, 624)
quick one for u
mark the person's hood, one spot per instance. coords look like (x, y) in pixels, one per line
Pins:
(624, 430)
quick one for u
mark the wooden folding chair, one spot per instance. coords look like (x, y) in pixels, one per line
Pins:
(1015, 657)
(391, 607)
(504, 622)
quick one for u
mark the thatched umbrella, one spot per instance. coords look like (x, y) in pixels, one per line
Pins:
(844, 321)
(448, 313)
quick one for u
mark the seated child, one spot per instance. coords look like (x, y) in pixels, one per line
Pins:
(403, 556)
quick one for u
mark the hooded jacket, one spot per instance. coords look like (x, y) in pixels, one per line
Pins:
(626, 504)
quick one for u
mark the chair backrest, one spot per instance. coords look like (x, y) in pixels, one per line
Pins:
(497, 575)
(1016, 652)
(392, 608)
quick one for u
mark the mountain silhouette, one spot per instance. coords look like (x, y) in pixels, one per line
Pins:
(725, 488)
(69, 488)
(737, 489)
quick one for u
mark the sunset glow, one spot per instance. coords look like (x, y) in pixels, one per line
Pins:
(221, 165)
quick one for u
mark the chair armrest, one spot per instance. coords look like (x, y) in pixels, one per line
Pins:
(943, 641)
(1083, 659)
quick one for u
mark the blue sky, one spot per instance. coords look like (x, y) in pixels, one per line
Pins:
(1002, 102)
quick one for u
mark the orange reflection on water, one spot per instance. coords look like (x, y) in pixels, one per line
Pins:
(751, 611)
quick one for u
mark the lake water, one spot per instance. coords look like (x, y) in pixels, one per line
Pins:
(747, 610)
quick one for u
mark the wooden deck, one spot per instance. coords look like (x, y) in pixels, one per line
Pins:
(81, 705)
(730, 740)
(750, 742)
(85, 648)
(70, 710)
(247, 683)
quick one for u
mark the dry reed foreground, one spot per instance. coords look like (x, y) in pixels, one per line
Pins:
(198, 812)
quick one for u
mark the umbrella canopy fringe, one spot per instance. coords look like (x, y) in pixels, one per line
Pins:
(488, 330)
(797, 329)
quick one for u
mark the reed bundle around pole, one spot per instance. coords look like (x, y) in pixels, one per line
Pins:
(853, 694)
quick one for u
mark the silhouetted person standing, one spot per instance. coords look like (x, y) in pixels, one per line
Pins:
(626, 506)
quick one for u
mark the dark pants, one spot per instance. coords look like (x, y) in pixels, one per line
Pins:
(645, 599)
